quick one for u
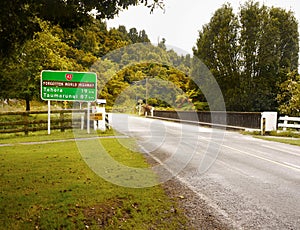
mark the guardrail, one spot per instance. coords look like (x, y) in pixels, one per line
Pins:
(31, 121)
(286, 124)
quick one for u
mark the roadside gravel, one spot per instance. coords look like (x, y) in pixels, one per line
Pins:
(199, 214)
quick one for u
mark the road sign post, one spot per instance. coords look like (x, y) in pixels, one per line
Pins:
(49, 114)
(68, 86)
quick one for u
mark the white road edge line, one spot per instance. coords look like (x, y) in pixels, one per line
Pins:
(296, 166)
(206, 199)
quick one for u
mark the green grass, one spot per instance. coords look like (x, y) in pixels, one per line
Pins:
(281, 140)
(287, 137)
(49, 186)
(43, 136)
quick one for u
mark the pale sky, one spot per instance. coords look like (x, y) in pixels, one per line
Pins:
(182, 19)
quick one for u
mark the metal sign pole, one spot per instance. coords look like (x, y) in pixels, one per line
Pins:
(88, 118)
(49, 117)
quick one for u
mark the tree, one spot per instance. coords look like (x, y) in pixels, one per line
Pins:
(136, 62)
(217, 47)
(73, 43)
(288, 44)
(269, 40)
(162, 44)
(45, 51)
(289, 97)
(143, 37)
(17, 17)
(133, 35)
(249, 54)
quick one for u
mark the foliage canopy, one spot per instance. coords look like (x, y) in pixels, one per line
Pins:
(253, 54)
(250, 53)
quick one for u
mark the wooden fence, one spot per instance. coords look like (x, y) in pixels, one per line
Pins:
(289, 122)
(31, 121)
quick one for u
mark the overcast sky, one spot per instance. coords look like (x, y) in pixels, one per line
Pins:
(182, 19)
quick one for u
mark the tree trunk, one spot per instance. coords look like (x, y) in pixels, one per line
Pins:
(27, 104)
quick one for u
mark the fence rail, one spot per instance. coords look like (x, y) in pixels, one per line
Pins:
(31, 121)
(286, 124)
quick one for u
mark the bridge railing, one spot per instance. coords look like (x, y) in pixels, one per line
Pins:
(240, 120)
(289, 122)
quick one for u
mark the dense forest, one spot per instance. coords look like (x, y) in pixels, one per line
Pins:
(252, 55)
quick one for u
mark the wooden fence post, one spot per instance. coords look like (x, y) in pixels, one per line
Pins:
(62, 122)
(285, 122)
(263, 128)
(25, 119)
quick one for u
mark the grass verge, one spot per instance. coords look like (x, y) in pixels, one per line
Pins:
(55, 135)
(281, 140)
(287, 137)
(49, 186)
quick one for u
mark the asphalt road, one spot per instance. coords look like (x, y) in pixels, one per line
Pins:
(249, 183)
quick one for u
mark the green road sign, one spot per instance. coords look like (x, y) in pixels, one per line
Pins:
(68, 86)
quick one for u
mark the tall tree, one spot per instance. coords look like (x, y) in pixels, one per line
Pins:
(288, 45)
(253, 18)
(133, 35)
(269, 45)
(217, 47)
(250, 54)
(143, 37)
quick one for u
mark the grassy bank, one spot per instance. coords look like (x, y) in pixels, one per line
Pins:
(49, 186)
